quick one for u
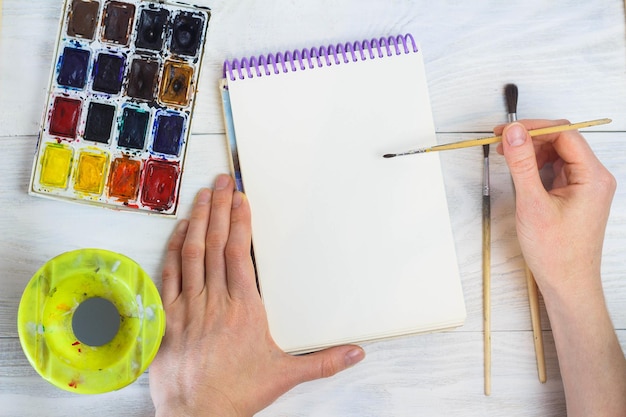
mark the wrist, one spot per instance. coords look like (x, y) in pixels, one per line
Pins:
(570, 288)
(171, 412)
(207, 407)
(575, 304)
(176, 411)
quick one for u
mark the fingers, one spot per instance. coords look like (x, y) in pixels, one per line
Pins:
(569, 146)
(520, 156)
(325, 363)
(240, 270)
(172, 268)
(533, 124)
(217, 236)
(573, 148)
(540, 145)
(213, 245)
(193, 249)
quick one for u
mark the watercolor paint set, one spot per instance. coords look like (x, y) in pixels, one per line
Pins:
(120, 103)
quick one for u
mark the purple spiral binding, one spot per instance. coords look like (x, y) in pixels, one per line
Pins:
(324, 56)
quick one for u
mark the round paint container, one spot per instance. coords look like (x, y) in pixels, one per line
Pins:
(90, 321)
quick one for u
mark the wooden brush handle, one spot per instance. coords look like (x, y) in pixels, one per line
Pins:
(487, 290)
(535, 316)
(532, 133)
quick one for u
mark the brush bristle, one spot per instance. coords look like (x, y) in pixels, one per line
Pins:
(510, 92)
(486, 151)
(389, 155)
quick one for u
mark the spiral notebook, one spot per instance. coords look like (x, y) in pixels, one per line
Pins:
(348, 246)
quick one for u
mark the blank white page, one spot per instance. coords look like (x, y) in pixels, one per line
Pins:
(349, 246)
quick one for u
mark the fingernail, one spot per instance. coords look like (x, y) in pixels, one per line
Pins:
(237, 199)
(515, 134)
(203, 196)
(221, 182)
(354, 356)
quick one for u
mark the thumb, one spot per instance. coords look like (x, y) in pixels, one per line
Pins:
(519, 153)
(327, 362)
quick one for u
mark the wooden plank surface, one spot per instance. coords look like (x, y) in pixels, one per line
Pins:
(430, 375)
(569, 60)
(566, 56)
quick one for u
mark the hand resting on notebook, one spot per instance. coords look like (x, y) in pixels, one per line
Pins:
(561, 233)
(218, 357)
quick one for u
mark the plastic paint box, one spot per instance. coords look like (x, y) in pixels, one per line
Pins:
(121, 96)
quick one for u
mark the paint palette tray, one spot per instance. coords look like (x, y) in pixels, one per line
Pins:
(120, 102)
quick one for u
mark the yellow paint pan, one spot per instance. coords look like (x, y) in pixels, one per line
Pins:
(90, 321)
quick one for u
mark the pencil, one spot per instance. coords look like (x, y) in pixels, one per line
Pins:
(487, 270)
(496, 139)
(511, 95)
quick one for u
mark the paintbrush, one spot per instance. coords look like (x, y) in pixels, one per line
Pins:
(496, 139)
(511, 95)
(487, 270)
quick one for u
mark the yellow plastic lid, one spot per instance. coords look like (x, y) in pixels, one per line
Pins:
(47, 309)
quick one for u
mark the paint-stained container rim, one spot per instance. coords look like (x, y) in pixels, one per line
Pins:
(47, 308)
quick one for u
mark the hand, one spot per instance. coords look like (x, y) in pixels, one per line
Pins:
(217, 357)
(561, 231)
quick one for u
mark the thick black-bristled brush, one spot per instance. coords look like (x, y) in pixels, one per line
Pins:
(510, 93)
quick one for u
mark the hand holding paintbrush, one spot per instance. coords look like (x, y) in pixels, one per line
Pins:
(561, 230)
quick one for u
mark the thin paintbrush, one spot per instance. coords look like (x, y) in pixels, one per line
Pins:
(487, 270)
(496, 139)
(511, 96)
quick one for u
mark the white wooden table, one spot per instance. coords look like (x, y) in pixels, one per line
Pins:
(568, 59)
